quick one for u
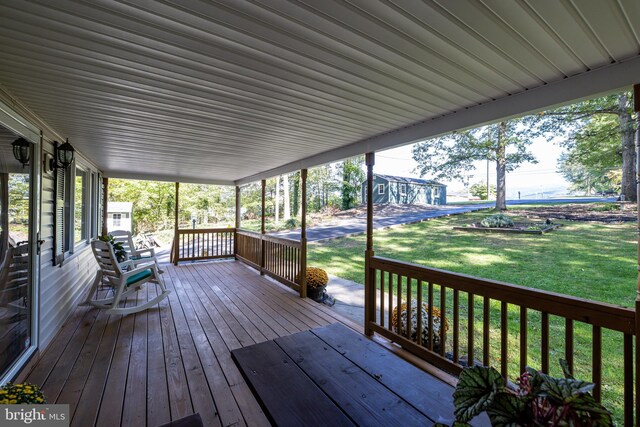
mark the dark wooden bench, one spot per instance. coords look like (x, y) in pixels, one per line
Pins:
(335, 376)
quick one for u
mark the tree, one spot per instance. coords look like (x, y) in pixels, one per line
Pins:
(479, 190)
(296, 193)
(450, 156)
(287, 203)
(607, 120)
(593, 161)
(352, 177)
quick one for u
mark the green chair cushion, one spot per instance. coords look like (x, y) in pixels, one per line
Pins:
(138, 276)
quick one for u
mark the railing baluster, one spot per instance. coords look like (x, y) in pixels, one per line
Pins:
(390, 300)
(381, 298)
(443, 317)
(419, 313)
(568, 343)
(456, 325)
(399, 304)
(628, 379)
(409, 307)
(430, 336)
(544, 338)
(596, 375)
(504, 339)
(470, 330)
(523, 338)
(485, 330)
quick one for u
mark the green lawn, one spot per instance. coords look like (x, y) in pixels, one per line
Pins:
(589, 260)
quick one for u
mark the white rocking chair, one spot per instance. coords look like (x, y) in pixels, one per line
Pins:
(136, 255)
(123, 282)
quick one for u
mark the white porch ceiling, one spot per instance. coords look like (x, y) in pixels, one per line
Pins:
(233, 90)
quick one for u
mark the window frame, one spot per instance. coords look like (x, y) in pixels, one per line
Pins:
(80, 241)
(403, 189)
(380, 189)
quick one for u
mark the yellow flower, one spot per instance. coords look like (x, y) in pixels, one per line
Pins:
(28, 392)
(13, 401)
(12, 396)
(4, 401)
(39, 399)
(3, 392)
(18, 386)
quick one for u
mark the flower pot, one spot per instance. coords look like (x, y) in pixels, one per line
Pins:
(316, 293)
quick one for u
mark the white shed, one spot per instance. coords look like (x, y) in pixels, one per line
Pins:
(119, 216)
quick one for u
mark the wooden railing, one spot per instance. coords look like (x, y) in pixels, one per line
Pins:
(249, 248)
(507, 326)
(208, 243)
(276, 257)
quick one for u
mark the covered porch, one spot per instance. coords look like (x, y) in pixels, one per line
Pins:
(232, 93)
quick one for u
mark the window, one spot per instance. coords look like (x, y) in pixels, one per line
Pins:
(436, 192)
(403, 189)
(117, 219)
(79, 207)
(380, 188)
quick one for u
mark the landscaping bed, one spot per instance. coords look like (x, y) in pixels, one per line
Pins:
(518, 228)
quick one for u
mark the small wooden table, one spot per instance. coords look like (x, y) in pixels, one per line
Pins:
(333, 376)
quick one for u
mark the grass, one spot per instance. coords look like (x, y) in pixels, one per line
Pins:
(588, 260)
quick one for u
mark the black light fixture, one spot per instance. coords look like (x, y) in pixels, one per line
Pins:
(63, 155)
(22, 151)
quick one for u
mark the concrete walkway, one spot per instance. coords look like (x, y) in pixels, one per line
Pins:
(349, 298)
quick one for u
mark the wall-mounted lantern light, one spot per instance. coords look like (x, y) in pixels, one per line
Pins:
(63, 155)
(22, 151)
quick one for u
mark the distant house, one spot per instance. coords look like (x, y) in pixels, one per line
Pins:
(398, 189)
(119, 216)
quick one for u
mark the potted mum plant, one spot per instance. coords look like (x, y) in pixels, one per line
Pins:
(317, 280)
(17, 394)
(437, 323)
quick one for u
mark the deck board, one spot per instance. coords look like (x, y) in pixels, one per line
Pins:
(174, 359)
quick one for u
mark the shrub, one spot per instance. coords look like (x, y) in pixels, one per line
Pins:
(12, 394)
(291, 223)
(497, 221)
(316, 277)
(437, 323)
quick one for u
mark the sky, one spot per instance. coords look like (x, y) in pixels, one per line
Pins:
(532, 180)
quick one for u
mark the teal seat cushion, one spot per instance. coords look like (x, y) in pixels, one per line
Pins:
(138, 276)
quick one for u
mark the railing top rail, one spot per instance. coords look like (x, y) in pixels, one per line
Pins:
(248, 233)
(205, 230)
(596, 313)
(270, 238)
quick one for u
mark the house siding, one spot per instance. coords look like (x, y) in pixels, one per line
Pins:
(61, 288)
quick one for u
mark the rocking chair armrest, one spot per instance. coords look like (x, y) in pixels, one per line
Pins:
(126, 263)
(150, 251)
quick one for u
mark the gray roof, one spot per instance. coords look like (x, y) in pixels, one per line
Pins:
(409, 180)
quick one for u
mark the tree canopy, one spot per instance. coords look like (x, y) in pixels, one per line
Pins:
(451, 156)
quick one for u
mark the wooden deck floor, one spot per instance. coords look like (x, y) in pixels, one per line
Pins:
(169, 362)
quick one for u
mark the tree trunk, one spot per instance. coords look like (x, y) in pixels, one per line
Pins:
(296, 193)
(285, 188)
(277, 199)
(501, 167)
(627, 134)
